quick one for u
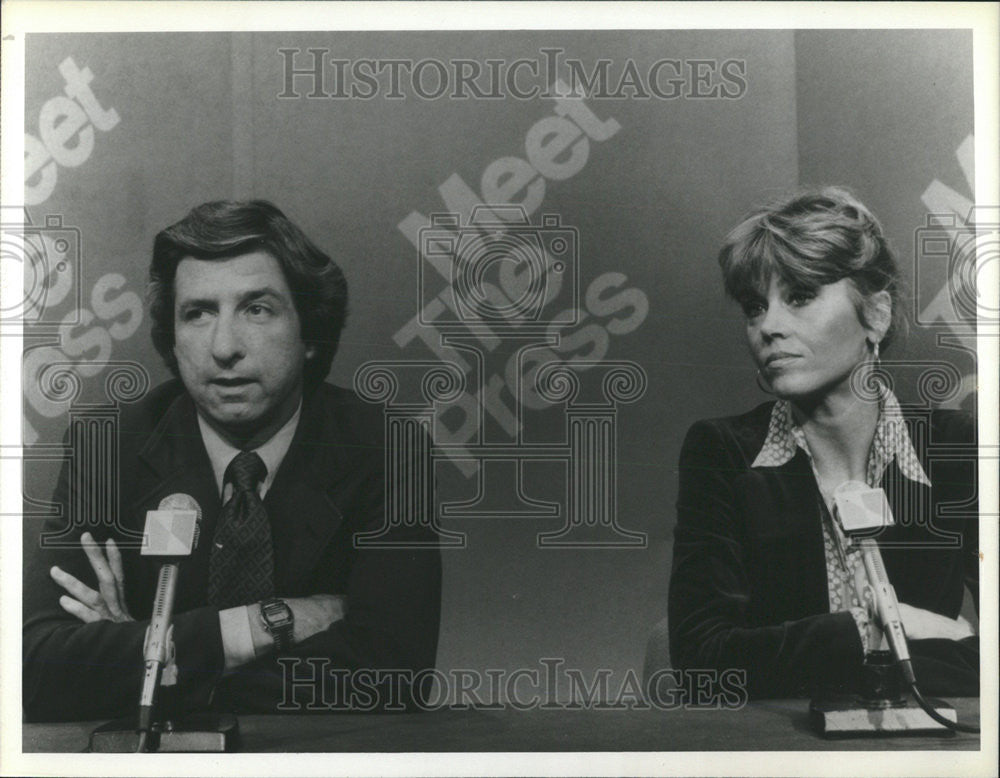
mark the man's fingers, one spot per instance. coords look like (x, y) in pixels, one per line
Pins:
(105, 578)
(115, 561)
(75, 587)
(96, 557)
(78, 609)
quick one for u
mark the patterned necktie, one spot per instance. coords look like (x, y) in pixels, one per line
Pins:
(241, 567)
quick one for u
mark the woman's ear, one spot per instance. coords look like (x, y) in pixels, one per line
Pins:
(310, 351)
(878, 315)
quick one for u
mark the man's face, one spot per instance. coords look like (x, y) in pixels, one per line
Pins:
(238, 343)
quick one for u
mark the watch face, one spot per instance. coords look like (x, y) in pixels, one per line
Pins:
(276, 613)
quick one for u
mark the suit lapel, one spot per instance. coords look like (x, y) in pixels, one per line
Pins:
(303, 515)
(176, 457)
(783, 508)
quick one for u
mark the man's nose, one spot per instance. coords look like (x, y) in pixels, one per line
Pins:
(227, 340)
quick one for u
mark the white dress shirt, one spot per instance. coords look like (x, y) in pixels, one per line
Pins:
(237, 640)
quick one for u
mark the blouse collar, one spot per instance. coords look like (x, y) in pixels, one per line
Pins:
(891, 441)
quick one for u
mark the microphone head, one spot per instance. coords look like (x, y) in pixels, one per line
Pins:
(172, 529)
(180, 502)
(184, 502)
(859, 508)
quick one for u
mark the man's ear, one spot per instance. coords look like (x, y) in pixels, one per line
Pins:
(878, 315)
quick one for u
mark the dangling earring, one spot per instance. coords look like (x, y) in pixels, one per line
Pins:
(762, 384)
(878, 378)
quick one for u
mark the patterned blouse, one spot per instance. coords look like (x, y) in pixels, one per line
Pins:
(844, 568)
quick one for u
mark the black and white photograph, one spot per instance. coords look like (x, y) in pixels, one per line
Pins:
(499, 388)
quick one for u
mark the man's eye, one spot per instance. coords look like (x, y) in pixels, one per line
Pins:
(193, 314)
(256, 309)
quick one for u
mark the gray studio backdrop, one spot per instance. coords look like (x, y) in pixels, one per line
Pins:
(644, 188)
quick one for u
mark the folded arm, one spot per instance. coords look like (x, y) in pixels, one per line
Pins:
(710, 599)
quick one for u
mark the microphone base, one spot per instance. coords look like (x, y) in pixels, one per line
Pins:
(197, 733)
(853, 716)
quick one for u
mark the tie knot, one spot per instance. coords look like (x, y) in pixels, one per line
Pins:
(246, 470)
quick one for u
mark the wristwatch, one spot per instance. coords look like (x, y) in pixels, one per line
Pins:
(278, 621)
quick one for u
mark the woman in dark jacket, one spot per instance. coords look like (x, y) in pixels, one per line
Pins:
(762, 581)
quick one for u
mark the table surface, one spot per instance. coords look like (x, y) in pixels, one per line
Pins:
(770, 725)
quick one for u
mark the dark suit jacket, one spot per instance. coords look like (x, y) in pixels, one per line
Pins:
(328, 488)
(748, 586)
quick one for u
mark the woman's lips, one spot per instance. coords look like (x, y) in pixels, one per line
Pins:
(778, 360)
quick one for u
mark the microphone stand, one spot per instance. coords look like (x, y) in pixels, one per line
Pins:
(881, 706)
(148, 732)
(171, 532)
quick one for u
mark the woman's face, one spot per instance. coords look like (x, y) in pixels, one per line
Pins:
(806, 343)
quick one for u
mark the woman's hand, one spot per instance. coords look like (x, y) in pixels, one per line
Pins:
(921, 624)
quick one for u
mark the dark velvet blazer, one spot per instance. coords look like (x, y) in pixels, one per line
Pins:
(748, 585)
(329, 487)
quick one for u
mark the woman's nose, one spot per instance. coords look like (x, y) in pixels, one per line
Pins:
(774, 322)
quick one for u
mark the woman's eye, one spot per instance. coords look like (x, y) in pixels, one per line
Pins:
(801, 298)
(753, 309)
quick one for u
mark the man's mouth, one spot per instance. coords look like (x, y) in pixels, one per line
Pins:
(231, 382)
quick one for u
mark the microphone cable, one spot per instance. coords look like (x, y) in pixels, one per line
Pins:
(907, 670)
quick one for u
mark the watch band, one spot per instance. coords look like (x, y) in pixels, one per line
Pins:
(278, 621)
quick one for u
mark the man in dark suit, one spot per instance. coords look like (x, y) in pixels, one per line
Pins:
(288, 471)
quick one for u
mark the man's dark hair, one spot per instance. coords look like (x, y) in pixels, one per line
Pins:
(228, 228)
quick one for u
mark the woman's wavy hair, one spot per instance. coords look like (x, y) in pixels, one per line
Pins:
(228, 228)
(815, 238)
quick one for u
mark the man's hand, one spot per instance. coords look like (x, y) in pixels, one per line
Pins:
(311, 616)
(88, 605)
(314, 614)
(921, 624)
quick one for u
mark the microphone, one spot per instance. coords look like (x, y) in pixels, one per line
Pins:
(171, 531)
(860, 508)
